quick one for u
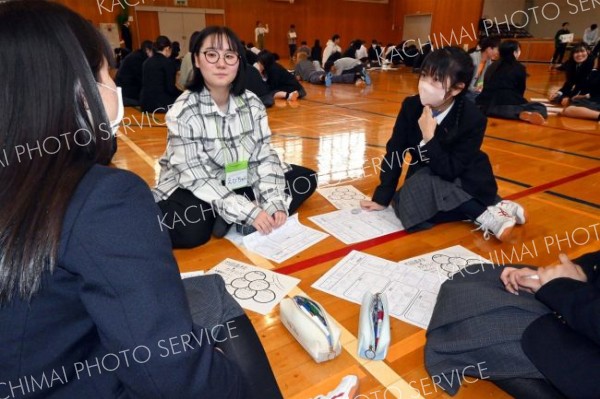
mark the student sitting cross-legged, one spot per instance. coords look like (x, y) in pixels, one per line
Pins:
(449, 177)
(219, 167)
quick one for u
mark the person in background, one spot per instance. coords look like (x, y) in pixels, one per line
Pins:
(504, 87)
(316, 51)
(158, 84)
(196, 175)
(590, 36)
(375, 53)
(186, 72)
(338, 66)
(586, 106)
(292, 38)
(483, 57)
(307, 71)
(559, 46)
(84, 262)
(130, 73)
(450, 178)
(332, 46)
(174, 57)
(577, 69)
(259, 34)
(126, 36)
(281, 82)
(303, 49)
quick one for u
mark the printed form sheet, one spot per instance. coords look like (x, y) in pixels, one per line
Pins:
(254, 288)
(356, 225)
(284, 242)
(343, 197)
(411, 286)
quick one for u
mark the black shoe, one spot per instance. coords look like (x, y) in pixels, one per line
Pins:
(245, 229)
(220, 228)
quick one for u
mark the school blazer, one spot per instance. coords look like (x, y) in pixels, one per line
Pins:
(158, 84)
(460, 158)
(565, 345)
(503, 84)
(129, 75)
(116, 296)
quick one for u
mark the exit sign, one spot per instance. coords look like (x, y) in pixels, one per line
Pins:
(181, 3)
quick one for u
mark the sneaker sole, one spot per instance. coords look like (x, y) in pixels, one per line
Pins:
(534, 118)
(522, 217)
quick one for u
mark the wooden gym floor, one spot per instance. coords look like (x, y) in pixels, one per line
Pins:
(553, 171)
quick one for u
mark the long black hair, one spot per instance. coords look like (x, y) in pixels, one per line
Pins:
(233, 43)
(47, 140)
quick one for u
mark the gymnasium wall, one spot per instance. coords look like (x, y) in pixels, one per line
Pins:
(313, 18)
(579, 13)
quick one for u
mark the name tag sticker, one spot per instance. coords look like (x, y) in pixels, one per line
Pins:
(236, 175)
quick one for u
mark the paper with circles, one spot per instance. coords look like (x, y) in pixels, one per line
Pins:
(411, 285)
(343, 197)
(254, 288)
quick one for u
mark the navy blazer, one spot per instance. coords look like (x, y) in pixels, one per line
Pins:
(449, 158)
(112, 319)
(565, 345)
(158, 84)
(503, 84)
(129, 75)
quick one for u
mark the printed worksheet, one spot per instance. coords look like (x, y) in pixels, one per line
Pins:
(343, 197)
(284, 242)
(411, 286)
(255, 289)
(356, 225)
(445, 262)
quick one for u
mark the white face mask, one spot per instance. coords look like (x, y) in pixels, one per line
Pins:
(114, 124)
(431, 95)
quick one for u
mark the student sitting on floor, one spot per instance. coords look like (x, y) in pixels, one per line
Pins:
(545, 345)
(281, 82)
(578, 69)
(89, 281)
(483, 57)
(449, 178)
(158, 84)
(308, 72)
(129, 75)
(219, 167)
(504, 87)
(587, 106)
(338, 66)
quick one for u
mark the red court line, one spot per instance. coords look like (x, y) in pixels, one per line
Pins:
(339, 253)
(547, 186)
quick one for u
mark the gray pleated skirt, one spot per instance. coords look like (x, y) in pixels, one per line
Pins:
(210, 303)
(424, 194)
(476, 321)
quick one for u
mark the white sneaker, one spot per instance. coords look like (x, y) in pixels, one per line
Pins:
(496, 221)
(346, 390)
(513, 209)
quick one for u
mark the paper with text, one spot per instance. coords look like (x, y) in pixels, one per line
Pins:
(343, 197)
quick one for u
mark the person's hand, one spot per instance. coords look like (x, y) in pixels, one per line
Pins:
(565, 102)
(371, 206)
(520, 279)
(279, 217)
(264, 223)
(553, 95)
(565, 268)
(427, 124)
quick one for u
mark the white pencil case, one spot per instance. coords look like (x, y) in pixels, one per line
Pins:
(374, 327)
(312, 327)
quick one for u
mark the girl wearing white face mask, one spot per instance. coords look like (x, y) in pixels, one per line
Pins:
(449, 178)
(88, 276)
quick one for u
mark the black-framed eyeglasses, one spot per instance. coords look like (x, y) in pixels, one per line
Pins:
(213, 56)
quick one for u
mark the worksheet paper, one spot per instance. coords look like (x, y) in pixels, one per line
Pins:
(254, 288)
(284, 242)
(411, 286)
(343, 197)
(356, 225)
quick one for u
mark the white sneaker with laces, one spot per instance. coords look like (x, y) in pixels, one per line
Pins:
(513, 209)
(495, 221)
(346, 390)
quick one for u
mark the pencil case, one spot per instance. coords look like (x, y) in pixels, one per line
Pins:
(374, 327)
(312, 327)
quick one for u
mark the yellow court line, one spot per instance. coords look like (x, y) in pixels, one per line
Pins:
(141, 153)
(535, 158)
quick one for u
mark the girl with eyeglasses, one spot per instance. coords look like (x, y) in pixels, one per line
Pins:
(219, 168)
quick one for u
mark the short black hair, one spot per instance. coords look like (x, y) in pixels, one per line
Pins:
(594, 26)
(221, 33)
(161, 43)
(489, 42)
(335, 37)
(146, 45)
(449, 63)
